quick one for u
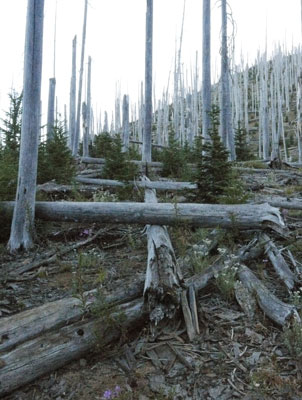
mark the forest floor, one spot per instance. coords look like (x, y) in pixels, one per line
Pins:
(234, 357)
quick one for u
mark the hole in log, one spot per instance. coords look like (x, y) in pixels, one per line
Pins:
(80, 332)
(4, 337)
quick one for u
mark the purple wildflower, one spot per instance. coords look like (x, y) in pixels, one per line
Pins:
(107, 394)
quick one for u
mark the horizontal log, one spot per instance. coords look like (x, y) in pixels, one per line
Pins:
(158, 185)
(52, 350)
(241, 216)
(92, 160)
(52, 188)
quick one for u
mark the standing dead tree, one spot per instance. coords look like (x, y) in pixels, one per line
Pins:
(78, 120)
(147, 137)
(22, 230)
(206, 67)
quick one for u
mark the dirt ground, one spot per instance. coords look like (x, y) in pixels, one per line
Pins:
(234, 357)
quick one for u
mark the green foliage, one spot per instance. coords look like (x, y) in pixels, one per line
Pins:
(213, 169)
(241, 146)
(225, 281)
(234, 192)
(102, 145)
(9, 152)
(117, 163)
(174, 159)
(11, 128)
(55, 160)
(292, 337)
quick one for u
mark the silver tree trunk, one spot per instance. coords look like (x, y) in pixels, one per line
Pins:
(72, 96)
(147, 137)
(51, 108)
(227, 133)
(77, 130)
(126, 128)
(88, 116)
(206, 68)
(22, 230)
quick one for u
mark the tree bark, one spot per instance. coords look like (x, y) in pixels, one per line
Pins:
(22, 230)
(242, 216)
(51, 108)
(72, 96)
(78, 120)
(126, 128)
(147, 138)
(206, 68)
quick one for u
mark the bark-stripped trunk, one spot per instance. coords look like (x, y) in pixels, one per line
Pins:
(51, 108)
(126, 128)
(87, 131)
(206, 68)
(85, 128)
(72, 96)
(147, 137)
(22, 230)
(227, 133)
(78, 121)
(241, 216)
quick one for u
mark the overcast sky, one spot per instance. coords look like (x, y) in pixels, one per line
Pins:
(116, 35)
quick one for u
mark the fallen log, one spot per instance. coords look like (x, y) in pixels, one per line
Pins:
(275, 309)
(52, 350)
(158, 185)
(241, 216)
(36, 342)
(91, 160)
(55, 188)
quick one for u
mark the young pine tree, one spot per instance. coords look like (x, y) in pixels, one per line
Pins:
(55, 158)
(241, 146)
(9, 152)
(213, 169)
(117, 163)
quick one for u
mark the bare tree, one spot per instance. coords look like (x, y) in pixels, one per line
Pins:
(51, 108)
(77, 130)
(225, 114)
(72, 97)
(126, 128)
(147, 138)
(206, 68)
(22, 230)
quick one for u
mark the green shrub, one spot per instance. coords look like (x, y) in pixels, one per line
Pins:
(174, 159)
(102, 145)
(241, 146)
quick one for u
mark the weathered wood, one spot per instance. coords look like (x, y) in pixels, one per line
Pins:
(158, 185)
(55, 188)
(241, 216)
(91, 160)
(52, 350)
(163, 281)
(29, 324)
(22, 230)
(275, 309)
(278, 262)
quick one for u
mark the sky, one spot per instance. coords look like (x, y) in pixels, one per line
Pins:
(116, 42)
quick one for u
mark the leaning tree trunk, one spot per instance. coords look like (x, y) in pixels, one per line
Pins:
(77, 130)
(72, 96)
(51, 108)
(147, 137)
(206, 68)
(225, 113)
(22, 229)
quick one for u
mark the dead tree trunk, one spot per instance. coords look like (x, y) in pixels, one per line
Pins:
(22, 229)
(78, 120)
(51, 108)
(241, 216)
(162, 292)
(147, 138)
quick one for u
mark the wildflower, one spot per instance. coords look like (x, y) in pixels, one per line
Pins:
(107, 394)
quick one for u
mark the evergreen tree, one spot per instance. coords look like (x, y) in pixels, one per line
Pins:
(174, 159)
(55, 158)
(12, 123)
(241, 146)
(102, 145)
(9, 151)
(213, 168)
(117, 163)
